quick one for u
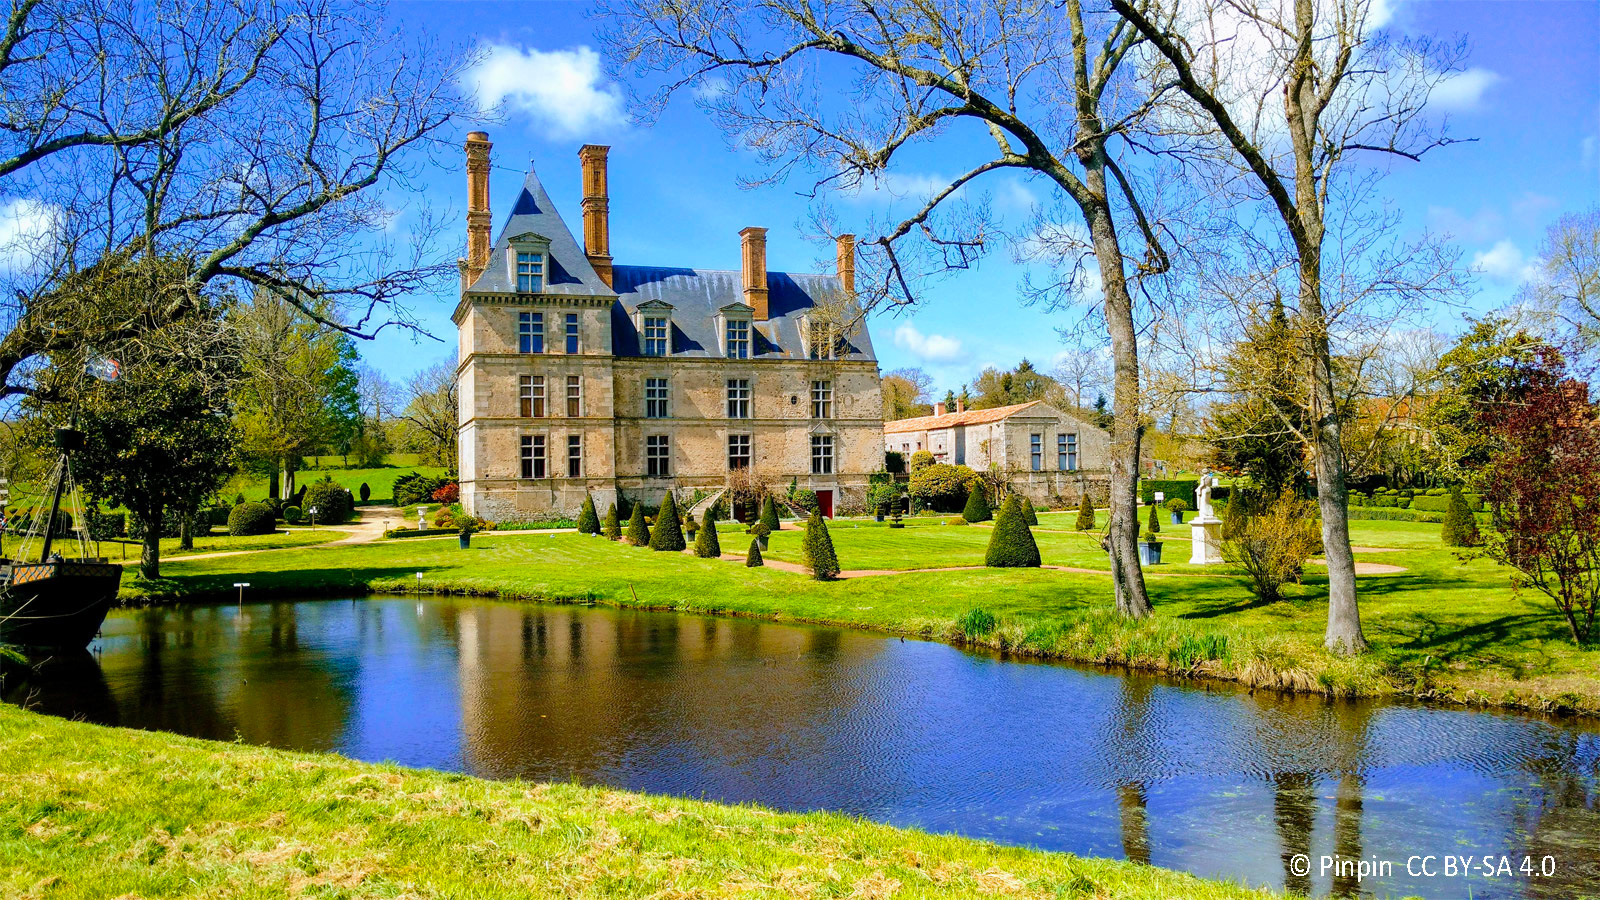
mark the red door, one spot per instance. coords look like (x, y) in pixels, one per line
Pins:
(825, 503)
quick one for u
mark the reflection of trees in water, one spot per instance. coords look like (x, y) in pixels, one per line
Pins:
(1133, 740)
(1134, 807)
(289, 693)
(1294, 811)
(1561, 815)
(70, 685)
(1347, 830)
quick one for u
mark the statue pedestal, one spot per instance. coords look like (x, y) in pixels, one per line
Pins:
(1206, 535)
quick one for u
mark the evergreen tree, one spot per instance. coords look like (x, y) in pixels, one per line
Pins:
(1011, 544)
(668, 534)
(706, 545)
(638, 531)
(753, 558)
(588, 520)
(1029, 514)
(769, 513)
(1460, 525)
(610, 528)
(1085, 514)
(977, 506)
(818, 549)
(1154, 525)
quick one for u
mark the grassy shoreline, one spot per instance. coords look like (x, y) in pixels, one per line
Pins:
(93, 811)
(1206, 627)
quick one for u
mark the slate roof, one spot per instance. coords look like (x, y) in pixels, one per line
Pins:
(569, 272)
(696, 295)
(967, 417)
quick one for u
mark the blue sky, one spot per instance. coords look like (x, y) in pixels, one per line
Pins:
(1530, 97)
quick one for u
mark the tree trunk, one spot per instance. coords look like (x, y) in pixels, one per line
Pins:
(150, 552)
(186, 532)
(274, 483)
(1123, 536)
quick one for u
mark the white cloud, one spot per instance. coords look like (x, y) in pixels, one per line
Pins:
(563, 90)
(26, 230)
(1463, 91)
(1505, 263)
(930, 348)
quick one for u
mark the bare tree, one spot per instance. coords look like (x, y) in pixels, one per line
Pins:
(1082, 375)
(1567, 283)
(431, 412)
(1343, 89)
(252, 139)
(842, 88)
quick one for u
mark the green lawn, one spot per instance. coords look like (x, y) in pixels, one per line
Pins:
(1443, 628)
(94, 812)
(381, 481)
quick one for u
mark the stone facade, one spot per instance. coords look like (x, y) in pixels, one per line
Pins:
(572, 369)
(1047, 455)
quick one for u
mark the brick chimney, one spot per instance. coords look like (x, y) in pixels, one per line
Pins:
(753, 254)
(596, 209)
(847, 263)
(939, 408)
(477, 208)
(961, 405)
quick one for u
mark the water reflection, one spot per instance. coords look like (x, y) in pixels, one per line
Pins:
(1221, 783)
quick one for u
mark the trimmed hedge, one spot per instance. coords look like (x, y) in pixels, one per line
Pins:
(412, 532)
(1180, 488)
(251, 518)
(1011, 544)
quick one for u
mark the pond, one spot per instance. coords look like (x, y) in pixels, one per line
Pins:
(1219, 782)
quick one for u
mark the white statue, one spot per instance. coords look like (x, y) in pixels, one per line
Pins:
(422, 517)
(1202, 497)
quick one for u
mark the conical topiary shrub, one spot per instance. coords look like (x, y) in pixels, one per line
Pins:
(588, 520)
(1011, 544)
(1029, 514)
(638, 531)
(1460, 525)
(366, 492)
(668, 535)
(1085, 514)
(610, 527)
(977, 506)
(1154, 525)
(706, 545)
(769, 513)
(753, 558)
(818, 547)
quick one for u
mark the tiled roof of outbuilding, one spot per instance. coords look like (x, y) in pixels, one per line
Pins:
(965, 417)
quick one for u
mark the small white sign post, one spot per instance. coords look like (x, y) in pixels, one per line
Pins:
(241, 585)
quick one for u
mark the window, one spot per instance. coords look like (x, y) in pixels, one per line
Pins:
(572, 332)
(655, 398)
(738, 398)
(656, 453)
(655, 336)
(532, 396)
(574, 455)
(574, 395)
(530, 272)
(530, 332)
(738, 451)
(1036, 452)
(821, 399)
(822, 454)
(1067, 452)
(738, 339)
(533, 456)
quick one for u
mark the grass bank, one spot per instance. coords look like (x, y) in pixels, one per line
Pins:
(88, 811)
(1443, 629)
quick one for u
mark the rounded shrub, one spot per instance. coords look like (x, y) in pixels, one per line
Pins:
(251, 518)
(611, 528)
(805, 498)
(706, 544)
(588, 520)
(921, 460)
(1011, 544)
(753, 559)
(977, 509)
(955, 520)
(818, 548)
(366, 492)
(292, 515)
(668, 535)
(942, 487)
(333, 504)
(1177, 505)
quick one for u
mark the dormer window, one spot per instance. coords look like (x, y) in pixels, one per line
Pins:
(530, 272)
(655, 336)
(738, 338)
